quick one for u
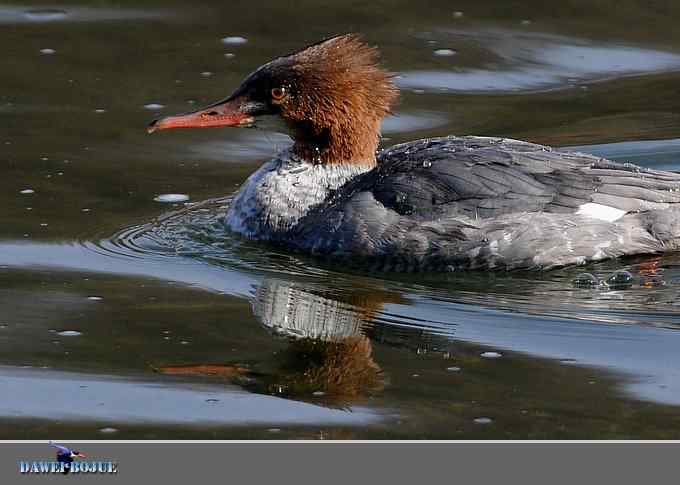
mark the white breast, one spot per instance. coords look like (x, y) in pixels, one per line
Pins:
(282, 191)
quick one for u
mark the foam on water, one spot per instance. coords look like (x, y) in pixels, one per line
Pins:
(234, 40)
(171, 198)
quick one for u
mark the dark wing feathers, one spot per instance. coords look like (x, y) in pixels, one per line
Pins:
(487, 177)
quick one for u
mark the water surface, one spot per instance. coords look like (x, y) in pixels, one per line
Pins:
(126, 310)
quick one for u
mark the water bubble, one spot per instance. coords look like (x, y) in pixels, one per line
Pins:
(444, 52)
(274, 430)
(453, 369)
(483, 420)
(184, 342)
(154, 106)
(171, 198)
(27, 191)
(108, 430)
(100, 110)
(491, 355)
(69, 333)
(48, 51)
(95, 298)
(206, 74)
(234, 40)
(45, 15)
(229, 55)
(526, 22)
(85, 210)
(458, 15)
(318, 393)
(586, 280)
(620, 279)
(427, 164)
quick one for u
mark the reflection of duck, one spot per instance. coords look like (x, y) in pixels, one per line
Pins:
(327, 352)
(292, 310)
(446, 203)
(66, 455)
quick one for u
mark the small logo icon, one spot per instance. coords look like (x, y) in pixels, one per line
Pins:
(66, 456)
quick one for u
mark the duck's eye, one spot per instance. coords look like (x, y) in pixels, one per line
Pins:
(278, 93)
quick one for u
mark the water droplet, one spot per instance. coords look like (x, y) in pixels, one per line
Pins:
(69, 333)
(95, 298)
(206, 74)
(27, 191)
(45, 14)
(184, 342)
(526, 22)
(427, 164)
(458, 15)
(318, 393)
(234, 40)
(48, 51)
(453, 369)
(171, 198)
(229, 55)
(154, 106)
(620, 279)
(491, 355)
(212, 400)
(483, 420)
(274, 430)
(586, 280)
(444, 52)
(108, 430)
(100, 110)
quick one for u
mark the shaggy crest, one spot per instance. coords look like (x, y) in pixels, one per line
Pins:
(339, 96)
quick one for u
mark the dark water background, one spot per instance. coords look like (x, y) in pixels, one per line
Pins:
(106, 293)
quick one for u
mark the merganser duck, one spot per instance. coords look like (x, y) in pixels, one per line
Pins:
(451, 203)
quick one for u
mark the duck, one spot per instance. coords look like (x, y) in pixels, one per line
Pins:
(451, 203)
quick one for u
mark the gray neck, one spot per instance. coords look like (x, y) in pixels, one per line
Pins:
(282, 191)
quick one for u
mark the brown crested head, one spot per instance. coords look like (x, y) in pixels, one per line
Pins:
(332, 96)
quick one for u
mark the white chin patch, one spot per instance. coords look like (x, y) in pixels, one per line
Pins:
(599, 211)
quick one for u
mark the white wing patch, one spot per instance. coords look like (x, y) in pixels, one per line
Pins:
(599, 211)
